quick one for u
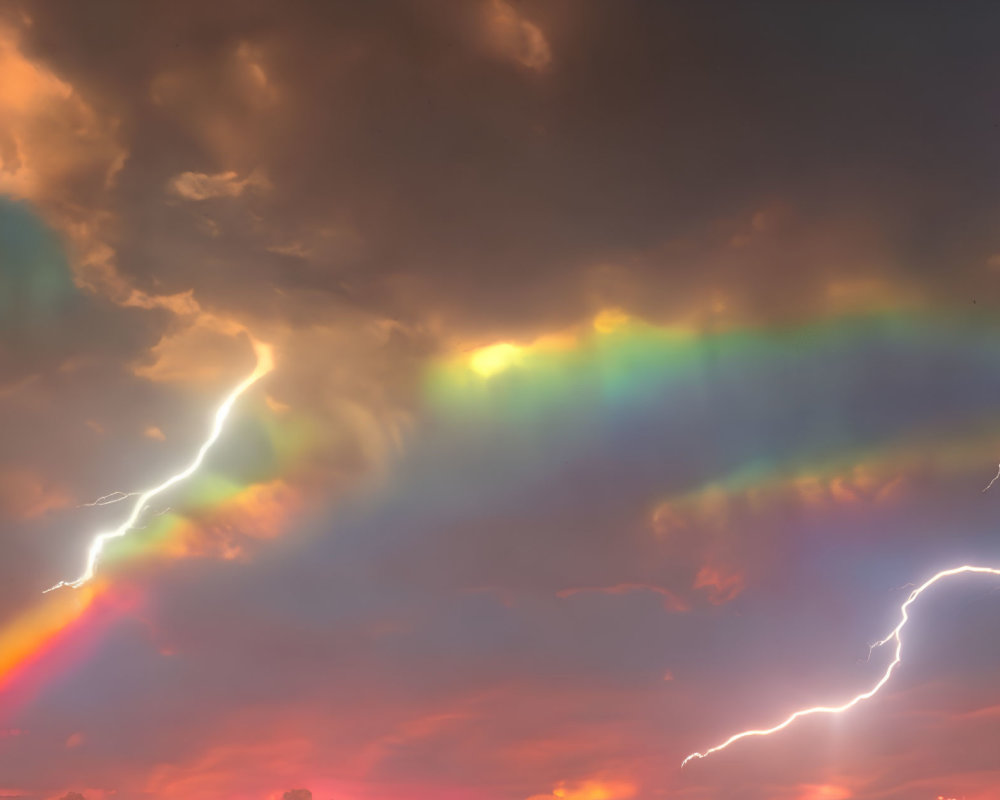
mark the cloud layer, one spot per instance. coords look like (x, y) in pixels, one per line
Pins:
(630, 360)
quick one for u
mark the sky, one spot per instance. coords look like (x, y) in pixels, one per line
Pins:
(632, 362)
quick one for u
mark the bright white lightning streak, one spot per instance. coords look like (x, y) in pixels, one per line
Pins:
(265, 363)
(893, 636)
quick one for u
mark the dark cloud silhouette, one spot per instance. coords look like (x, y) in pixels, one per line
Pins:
(427, 176)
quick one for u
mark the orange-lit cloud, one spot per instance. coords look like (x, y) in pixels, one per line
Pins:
(671, 600)
(882, 481)
(590, 790)
(516, 37)
(220, 770)
(827, 791)
(199, 186)
(26, 495)
(58, 152)
(723, 583)
(152, 432)
(259, 512)
(51, 135)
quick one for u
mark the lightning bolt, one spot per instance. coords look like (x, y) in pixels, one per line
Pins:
(894, 636)
(108, 499)
(265, 363)
(995, 479)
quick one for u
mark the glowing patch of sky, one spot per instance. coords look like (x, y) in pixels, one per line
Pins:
(765, 401)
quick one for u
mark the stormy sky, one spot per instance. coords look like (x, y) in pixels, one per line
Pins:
(632, 363)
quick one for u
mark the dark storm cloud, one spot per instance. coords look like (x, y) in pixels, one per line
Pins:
(414, 168)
